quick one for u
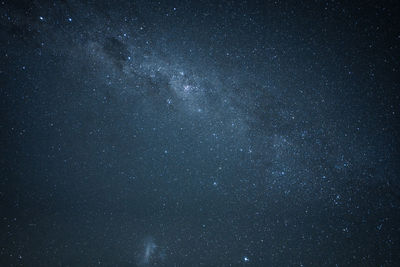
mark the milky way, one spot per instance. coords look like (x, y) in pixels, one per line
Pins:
(188, 133)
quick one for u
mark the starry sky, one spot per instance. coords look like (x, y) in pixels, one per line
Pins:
(199, 133)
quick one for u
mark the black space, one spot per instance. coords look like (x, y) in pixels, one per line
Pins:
(199, 133)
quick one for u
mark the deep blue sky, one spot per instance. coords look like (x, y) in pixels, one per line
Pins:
(199, 133)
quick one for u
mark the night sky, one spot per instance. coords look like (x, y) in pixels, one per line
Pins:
(199, 133)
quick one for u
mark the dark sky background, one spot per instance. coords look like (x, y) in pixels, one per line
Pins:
(199, 133)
